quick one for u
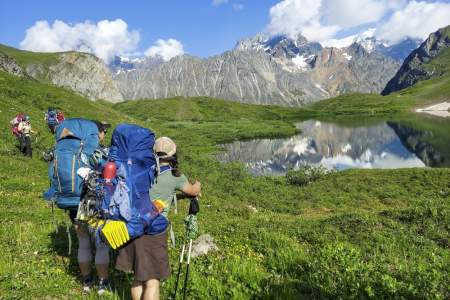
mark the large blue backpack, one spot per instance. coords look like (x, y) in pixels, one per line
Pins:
(76, 140)
(132, 151)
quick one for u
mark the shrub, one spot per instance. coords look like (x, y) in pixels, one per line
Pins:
(306, 175)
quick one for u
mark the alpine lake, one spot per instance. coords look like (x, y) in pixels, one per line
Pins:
(401, 141)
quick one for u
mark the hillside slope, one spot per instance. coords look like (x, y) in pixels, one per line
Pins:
(372, 233)
(81, 72)
(430, 60)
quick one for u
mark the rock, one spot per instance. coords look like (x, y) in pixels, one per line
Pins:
(83, 73)
(203, 245)
(252, 208)
(9, 65)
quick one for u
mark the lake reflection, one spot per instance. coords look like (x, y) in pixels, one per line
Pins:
(332, 146)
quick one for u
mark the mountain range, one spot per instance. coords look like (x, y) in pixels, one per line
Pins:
(267, 70)
(264, 69)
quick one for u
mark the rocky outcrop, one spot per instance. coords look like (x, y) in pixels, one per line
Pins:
(414, 68)
(9, 65)
(80, 72)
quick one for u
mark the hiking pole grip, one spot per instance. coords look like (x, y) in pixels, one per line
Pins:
(187, 270)
(194, 206)
(179, 270)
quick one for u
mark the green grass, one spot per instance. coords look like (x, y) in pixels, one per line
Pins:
(26, 58)
(352, 234)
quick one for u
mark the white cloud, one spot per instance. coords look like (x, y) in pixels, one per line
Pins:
(105, 39)
(166, 49)
(292, 17)
(416, 20)
(351, 13)
(325, 20)
(219, 2)
(238, 6)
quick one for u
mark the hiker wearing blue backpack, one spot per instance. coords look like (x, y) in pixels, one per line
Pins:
(147, 256)
(51, 117)
(79, 147)
(85, 239)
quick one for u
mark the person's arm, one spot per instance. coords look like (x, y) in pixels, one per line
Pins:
(192, 189)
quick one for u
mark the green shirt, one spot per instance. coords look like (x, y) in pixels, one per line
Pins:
(165, 188)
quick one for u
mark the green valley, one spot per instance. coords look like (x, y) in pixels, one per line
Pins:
(350, 234)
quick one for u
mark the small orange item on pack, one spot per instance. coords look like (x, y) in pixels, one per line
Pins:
(159, 204)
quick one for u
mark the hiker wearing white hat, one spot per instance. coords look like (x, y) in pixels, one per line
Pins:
(147, 256)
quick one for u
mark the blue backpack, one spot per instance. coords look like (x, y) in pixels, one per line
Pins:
(52, 119)
(76, 140)
(128, 198)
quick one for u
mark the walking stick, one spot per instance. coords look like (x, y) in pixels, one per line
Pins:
(191, 233)
(187, 269)
(179, 270)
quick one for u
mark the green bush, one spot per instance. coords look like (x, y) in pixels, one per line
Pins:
(306, 175)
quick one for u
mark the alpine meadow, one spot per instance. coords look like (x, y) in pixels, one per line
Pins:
(324, 161)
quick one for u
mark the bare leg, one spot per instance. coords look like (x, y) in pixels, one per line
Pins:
(151, 290)
(137, 289)
(84, 255)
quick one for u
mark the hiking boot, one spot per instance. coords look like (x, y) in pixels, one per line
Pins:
(87, 284)
(103, 286)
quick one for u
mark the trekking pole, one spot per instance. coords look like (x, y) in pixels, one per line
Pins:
(179, 270)
(187, 269)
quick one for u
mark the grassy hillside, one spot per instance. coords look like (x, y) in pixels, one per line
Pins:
(26, 58)
(353, 234)
(421, 94)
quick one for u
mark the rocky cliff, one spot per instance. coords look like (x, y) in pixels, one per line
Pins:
(81, 72)
(416, 66)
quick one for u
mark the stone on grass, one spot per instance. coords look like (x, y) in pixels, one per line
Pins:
(203, 245)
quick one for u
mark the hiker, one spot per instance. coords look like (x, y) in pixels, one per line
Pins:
(15, 124)
(60, 116)
(147, 256)
(51, 117)
(25, 131)
(86, 240)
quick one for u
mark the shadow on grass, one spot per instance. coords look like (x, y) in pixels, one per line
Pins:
(66, 250)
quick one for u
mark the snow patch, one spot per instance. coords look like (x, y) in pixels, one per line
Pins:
(347, 56)
(320, 88)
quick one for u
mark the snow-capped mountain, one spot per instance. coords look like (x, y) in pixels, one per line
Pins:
(263, 70)
(283, 46)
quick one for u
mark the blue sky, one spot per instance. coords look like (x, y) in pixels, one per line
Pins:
(207, 27)
(203, 28)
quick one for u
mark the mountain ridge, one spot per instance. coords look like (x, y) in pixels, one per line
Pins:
(418, 65)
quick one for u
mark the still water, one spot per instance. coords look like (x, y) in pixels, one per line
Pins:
(412, 142)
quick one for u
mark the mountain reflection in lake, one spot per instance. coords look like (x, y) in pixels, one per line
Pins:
(326, 144)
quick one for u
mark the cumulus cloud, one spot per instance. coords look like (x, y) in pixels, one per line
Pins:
(351, 13)
(165, 49)
(416, 20)
(325, 20)
(105, 38)
(320, 20)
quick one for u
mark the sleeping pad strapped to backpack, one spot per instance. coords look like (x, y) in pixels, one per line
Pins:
(127, 198)
(76, 140)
